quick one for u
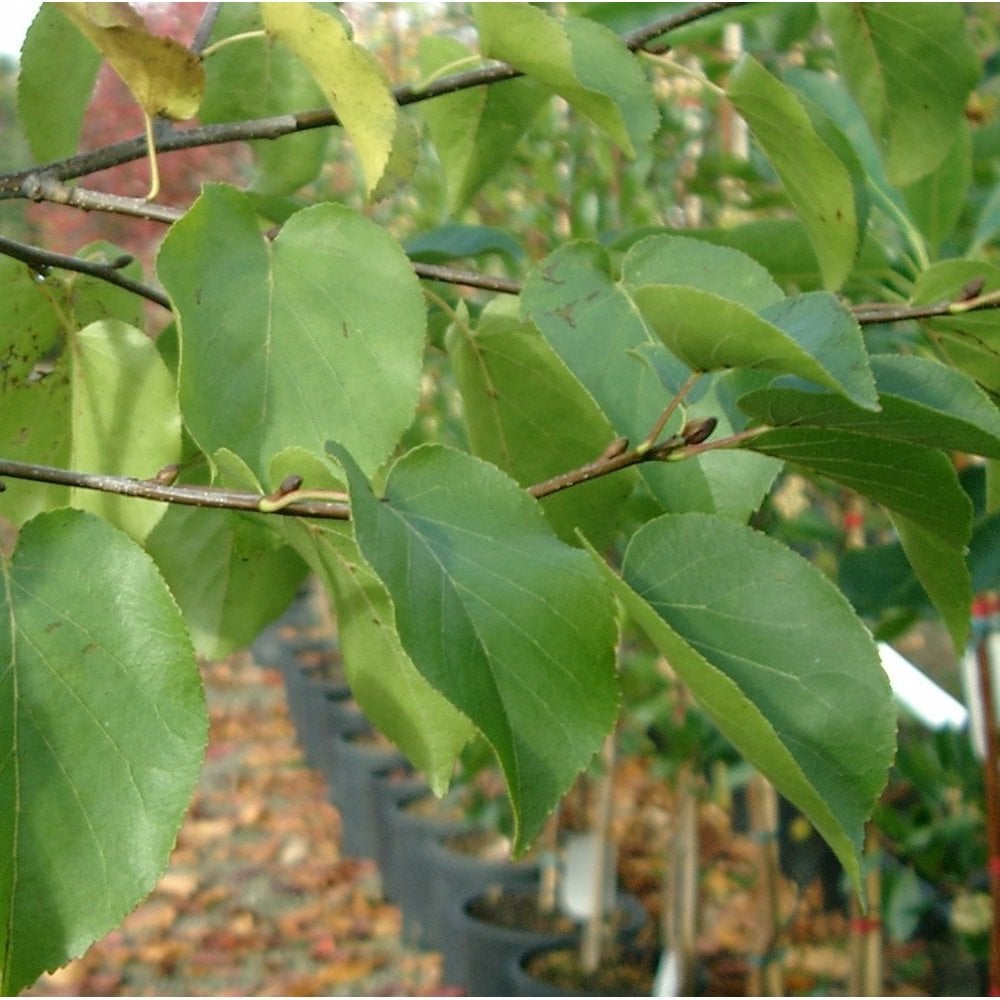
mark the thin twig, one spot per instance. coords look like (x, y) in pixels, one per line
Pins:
(151, 489)
(45, 187)
(173, 139)
(868, 314)
(205, 26)
(42, 260)
(455, 276)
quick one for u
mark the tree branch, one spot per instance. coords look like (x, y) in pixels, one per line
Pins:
(170, 139)
(43, 260)
(44, 187)
(474, 279)
(190, 496)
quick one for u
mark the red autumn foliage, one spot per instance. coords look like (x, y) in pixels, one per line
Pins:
(114, 116)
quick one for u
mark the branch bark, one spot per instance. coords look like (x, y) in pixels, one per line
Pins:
(171, 139)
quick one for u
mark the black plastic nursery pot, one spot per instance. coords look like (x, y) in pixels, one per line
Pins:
(460, 870)
(486, 950)
(357, 760)
(411, 819)
(498, 929)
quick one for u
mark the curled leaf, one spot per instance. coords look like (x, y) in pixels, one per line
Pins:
(163, 76)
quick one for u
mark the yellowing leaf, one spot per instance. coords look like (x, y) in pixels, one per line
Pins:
(163, 76)
(355, 84)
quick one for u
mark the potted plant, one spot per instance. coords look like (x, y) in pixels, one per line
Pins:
(501, 371)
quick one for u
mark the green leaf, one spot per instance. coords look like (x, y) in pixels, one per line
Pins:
(931, 511)
(526, 413)
(937, 199)
(912, 480)
(583, 62)
(720, 482)
(231, 577)
(813, 336)
(817, 182)
(256, 79)
(595, 328)
(394, 695)
(475, 131)
(357, 88)
(773, 653)
(922, 401)
(694, 263)
(58, 70)
(284, 343)
(970, 340)
(69, 394)
(454, 242)
(162, 75)
(940, 565)
(118, 381)
(102, 731)
(592, 323)
(511, 625)
(911, 67)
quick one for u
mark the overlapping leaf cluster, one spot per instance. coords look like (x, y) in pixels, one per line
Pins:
(464, 603)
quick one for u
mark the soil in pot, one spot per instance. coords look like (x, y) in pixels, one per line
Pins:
(519, 911)
(558, 972)
(491, 930)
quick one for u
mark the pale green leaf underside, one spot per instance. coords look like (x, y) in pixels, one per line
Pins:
(809, 335)
(383, 680)
(102, 731)
(511, 625)
(593, 324)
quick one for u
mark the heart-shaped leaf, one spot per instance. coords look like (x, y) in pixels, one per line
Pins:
(287, 343)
